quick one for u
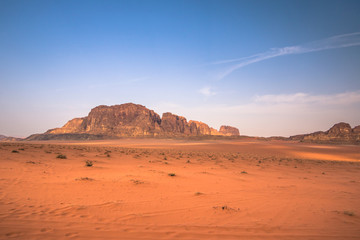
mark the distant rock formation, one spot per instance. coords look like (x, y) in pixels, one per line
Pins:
(8, 139)
(229, 131)
(130, 120)
(339, 133)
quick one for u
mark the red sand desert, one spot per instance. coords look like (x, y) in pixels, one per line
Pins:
(177, 189)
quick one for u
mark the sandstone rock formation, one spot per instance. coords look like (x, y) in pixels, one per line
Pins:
(130, 120)
(339, 133)
(174, 124)
(199, 128)
(229, 131)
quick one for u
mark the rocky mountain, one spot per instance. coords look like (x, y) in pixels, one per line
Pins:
(131, 120)
(339, 133)
(6, 138)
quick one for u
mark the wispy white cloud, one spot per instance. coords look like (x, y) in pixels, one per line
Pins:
(304, 98)
(338, 41)
(207, 91)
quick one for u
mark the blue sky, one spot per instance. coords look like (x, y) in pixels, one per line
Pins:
(266, 67)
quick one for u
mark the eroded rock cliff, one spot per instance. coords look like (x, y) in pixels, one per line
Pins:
(131, 120)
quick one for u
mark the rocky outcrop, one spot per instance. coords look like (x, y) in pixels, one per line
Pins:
(130, 120)
(339, 133)
(119, 120)
(73, 126)
(172, 124)
(229, 131)
(215, 132)
(199, 128)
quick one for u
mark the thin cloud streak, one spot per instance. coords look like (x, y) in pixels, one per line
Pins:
(304, 98)
(338, 41)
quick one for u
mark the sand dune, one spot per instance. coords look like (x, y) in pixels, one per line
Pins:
(177, 189)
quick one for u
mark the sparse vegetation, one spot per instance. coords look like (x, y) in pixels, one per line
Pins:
(349, 213)
(89, 163)
(172, 174)
(135, 181)
(15, 151)
(244, 172)
(61, 156)
(84, 179)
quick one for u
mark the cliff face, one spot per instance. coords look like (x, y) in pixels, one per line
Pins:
(125, 120)
(229, 131)
(339, 133)
(131, 120)
(174, 125)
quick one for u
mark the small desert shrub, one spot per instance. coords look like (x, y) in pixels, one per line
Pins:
(349, 213)
(15, 151)
(135, 181)
(84, 179)
(61, 156)
(89, 163)
(244, 172)
(107, 153)
(172, 174)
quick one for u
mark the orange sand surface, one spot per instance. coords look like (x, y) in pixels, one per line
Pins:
(177, 189)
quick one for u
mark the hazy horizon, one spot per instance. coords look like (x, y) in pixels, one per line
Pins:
(269, 68)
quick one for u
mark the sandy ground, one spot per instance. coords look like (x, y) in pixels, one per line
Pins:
(220, 190)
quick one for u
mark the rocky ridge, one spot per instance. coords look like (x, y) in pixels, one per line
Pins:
(8, 139)
(339, 133)
(131, 120)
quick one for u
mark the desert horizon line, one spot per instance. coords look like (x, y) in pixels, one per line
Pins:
(184, 118)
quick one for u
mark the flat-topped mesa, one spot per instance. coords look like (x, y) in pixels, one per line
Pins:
(119, 120)
(123, 120)
(229, 131)
(132, 120)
